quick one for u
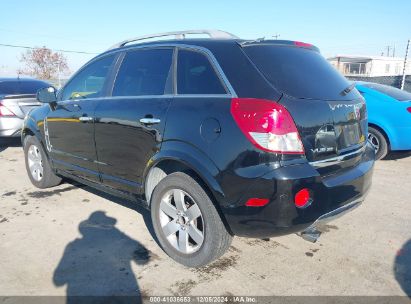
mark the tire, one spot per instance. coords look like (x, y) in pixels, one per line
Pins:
(36, 158)
(216, 238)
(379, 142)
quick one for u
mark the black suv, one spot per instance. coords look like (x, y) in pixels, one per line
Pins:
(216, 136)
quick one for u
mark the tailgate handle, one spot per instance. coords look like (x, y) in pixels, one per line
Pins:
(85, 118)
(150, 121)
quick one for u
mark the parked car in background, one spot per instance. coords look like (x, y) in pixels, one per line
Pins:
(17, 98)
(217, 137)
(389, 117)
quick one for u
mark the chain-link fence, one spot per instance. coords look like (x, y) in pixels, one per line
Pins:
(394, 81)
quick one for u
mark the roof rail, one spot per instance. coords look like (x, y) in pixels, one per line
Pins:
(216, 34)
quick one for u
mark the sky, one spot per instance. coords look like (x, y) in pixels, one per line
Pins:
(363, 27)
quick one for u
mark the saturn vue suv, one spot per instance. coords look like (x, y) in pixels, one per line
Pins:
(217, 136)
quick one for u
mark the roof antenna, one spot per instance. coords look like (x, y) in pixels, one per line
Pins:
(276, 36)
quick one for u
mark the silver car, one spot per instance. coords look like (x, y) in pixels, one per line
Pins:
(17, 98)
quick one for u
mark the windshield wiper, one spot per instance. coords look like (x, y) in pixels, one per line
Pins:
(348, 89)
(252, 41)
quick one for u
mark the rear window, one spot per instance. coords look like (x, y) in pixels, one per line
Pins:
(21, 87)
(390, 91)
(298, 72)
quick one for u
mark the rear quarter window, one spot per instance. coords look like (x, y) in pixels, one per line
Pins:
(196, 75)
(299, 72)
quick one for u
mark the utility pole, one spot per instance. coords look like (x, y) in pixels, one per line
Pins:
(388, 50)
(58, 74)
(276, 36)
(405, 65)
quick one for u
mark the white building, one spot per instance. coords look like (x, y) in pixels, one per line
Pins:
(369, 66)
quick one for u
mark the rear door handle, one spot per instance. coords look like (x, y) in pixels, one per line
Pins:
(85, 118)
(150, 121)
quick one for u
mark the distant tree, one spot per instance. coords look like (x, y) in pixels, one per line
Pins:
(43, 63)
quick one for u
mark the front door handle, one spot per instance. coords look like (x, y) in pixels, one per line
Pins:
(150, 121)
(85, 118)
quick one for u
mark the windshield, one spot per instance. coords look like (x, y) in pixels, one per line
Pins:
(21, 87)
(388, 90)
(299, 72)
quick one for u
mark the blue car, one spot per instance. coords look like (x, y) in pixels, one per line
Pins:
(389, 117)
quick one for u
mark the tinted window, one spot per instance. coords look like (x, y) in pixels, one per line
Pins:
(390, 91)
(89, 82)
(21, 87)
(195, 75)
(144, 72)
(298, 72)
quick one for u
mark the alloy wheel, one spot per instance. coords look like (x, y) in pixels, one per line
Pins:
(35, 162)
(374, 141)
(181, 221)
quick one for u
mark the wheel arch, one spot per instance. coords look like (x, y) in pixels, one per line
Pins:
(163, 165)
(177, 156)
(30, 128)
(383, 132)
(26, 132)
(167, 165)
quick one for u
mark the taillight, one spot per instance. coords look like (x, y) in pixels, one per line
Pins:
(267, 124)
(4, 111)
(409, 109)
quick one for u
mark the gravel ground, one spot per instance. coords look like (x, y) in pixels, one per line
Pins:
(77, 241)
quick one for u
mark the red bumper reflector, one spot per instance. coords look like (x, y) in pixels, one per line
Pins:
(302, 198)
(409, 109)
(257, 202)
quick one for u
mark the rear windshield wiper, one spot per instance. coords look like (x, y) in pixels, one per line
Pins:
(348, 89)
(252, 41)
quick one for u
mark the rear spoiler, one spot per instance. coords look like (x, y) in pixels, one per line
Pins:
(262, 41)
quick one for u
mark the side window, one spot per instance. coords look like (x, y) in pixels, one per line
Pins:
(144, 72)
(89, 82)
(196, 75)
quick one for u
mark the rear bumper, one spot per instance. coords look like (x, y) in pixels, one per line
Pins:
(400, 139)
(312, 233)
(333, 195)
(10, 126)
(336, 213)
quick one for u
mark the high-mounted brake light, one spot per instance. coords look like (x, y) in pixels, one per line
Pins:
(267, 124)
(303, 44)
(4, 111)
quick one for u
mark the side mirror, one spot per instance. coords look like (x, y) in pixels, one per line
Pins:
(47, 95)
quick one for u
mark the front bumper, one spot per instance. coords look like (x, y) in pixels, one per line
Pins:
(10, 126)
(333, 193)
